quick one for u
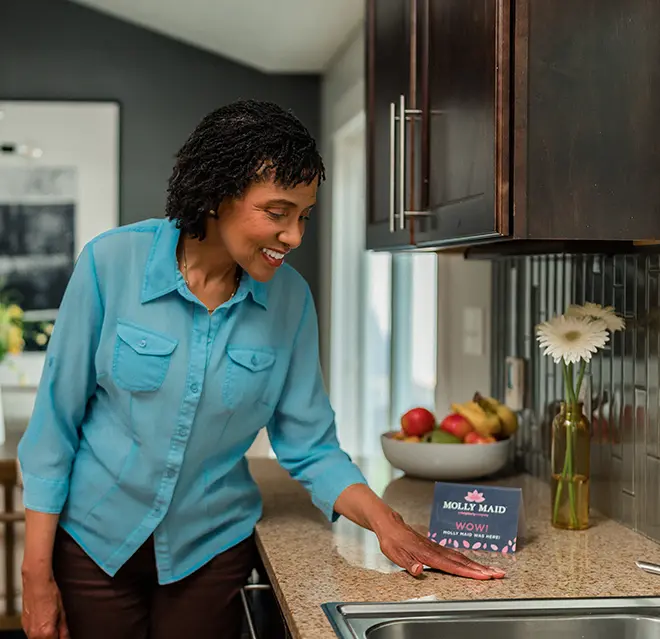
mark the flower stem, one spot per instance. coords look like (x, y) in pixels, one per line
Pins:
(560, 482)
(570, 454)
(560, 486)
(578, 386)
(568, 469)
(568, 380)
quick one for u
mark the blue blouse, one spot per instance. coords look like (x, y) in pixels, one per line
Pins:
(148, 403)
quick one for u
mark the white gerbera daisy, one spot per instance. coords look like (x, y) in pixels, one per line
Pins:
(607, 314)
(572, 338)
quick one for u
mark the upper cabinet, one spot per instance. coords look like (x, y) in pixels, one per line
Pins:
(499, 120)
(391, 30)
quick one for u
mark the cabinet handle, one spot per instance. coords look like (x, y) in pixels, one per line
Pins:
(392, 164)
(402, 162)
(246, 607)
(404, 114)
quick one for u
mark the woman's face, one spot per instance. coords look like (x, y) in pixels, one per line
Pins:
(264, 225)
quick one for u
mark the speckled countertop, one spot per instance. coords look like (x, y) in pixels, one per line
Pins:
(311, 562)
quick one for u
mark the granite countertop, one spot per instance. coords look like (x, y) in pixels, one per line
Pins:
(311, 562)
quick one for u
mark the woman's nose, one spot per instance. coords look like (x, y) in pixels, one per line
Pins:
(292, 237)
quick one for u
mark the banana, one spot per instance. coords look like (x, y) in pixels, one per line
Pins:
(507, 418)
(486, 423)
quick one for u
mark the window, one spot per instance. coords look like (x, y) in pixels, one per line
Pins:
(414, 334)
(375, 352)
(383, 319)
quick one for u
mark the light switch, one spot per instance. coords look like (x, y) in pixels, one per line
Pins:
(473, 331)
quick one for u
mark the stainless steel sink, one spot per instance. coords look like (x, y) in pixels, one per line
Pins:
(513, 619)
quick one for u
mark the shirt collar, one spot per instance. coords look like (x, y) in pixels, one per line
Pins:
(160, 276)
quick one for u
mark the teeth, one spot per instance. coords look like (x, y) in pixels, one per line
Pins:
(274, 254)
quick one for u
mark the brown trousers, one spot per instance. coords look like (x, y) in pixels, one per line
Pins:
(132, 605)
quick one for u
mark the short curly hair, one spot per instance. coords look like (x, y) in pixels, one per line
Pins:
(228, 151)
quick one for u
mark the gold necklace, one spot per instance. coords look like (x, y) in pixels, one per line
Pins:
(185, 274)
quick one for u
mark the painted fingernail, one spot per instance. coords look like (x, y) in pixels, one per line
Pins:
(417, 568)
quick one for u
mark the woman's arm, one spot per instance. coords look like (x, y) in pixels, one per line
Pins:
(40, 531)
(302, 431)
(399, 542)
(303, 435)
(50, 443)
(49, 446)
(43, 615)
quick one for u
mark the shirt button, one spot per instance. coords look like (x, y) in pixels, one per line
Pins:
(142, 343)
(254, 360)
(182, 432)
(170, 472)
(157, 508)
(194, 388)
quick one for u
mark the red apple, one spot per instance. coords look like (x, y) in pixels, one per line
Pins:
(456, 425)
(417, 422)
(476, 438)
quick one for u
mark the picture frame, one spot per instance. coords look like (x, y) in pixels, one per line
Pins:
(59, 188)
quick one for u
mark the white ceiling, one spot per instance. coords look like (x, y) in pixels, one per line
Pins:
(279, 36)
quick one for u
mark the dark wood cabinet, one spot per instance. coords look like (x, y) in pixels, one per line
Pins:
(389, 69)
(503, 121)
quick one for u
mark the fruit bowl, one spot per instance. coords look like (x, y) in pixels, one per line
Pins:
(445, 462)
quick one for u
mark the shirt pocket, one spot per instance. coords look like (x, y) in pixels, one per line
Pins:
(142, 357)
(249, 377)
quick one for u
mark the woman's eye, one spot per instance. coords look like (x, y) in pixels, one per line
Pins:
(275, 216)
(304, 218)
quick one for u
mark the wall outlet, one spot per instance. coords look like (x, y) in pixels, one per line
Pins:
(473, 331)
(514, 393)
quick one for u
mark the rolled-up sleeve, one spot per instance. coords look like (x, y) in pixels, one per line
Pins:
(302, 431)
(49, 445)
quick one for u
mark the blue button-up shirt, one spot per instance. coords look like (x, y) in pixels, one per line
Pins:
(148, 403)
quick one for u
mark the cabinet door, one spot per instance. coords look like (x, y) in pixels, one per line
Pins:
(587, 114)
(466, 112)
(388, 39)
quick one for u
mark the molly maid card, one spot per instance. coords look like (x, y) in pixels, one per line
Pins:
(476, 517)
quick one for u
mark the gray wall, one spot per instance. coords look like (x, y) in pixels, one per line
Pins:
(54, 49)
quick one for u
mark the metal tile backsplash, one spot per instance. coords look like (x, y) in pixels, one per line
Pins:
(623, 382)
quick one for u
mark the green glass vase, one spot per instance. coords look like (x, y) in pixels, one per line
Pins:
(570, 459)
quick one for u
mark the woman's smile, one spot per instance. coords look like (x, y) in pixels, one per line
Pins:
(273, 258)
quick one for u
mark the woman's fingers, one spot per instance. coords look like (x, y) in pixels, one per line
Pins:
(412, 552)
(462, 567)
(445, 561)
(455, 563)
(470, 570)
(414, 568)
(63, 628)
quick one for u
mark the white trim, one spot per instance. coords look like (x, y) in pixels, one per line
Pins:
(347, 240)
(356, 125)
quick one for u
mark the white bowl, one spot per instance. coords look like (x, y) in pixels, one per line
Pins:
(445, 462)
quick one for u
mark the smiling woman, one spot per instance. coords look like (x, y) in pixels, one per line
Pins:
(177, 340)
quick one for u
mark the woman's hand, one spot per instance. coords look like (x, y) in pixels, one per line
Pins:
(410, 550)
(43, 613)
(400, 543)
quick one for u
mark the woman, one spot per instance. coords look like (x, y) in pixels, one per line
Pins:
(176, 341)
